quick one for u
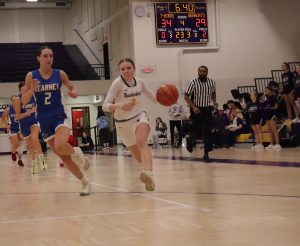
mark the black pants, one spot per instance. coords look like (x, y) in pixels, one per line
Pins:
(202, 123)
(177, 124)
(228, 137)
(104, 134)
(86, 148)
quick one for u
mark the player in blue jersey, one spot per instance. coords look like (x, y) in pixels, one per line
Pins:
(45, 84)
(30, 129)
(14, 132)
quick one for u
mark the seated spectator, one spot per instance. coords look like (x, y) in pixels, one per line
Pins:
(217, 125)
(160, 130)
(230, 132)
(160, 126)
(87, 143)
(234, 106)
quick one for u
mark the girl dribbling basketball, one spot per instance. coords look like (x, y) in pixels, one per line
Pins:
(124, 99)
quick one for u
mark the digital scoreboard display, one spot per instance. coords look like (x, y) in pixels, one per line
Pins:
(181, 23)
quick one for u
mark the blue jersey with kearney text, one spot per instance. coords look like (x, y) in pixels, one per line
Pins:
(14, 124)
(48, 96)
(27, 107)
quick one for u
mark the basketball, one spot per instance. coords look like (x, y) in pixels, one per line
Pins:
(167, 94)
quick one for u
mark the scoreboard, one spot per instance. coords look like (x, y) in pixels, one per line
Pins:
(181, 23)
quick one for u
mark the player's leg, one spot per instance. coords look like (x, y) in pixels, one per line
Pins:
(14, 144)
(288, 105)
(59, 144)
(35, 131)
(142, 131)
(31, 150)
(134, 150)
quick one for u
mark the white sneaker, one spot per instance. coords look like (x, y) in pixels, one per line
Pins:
(270, 146)
(260, 146)
(80, 159)
(126, 152)
(147, 178)
(35, 167)
(85, 190)
(277, 146)
(42, 162)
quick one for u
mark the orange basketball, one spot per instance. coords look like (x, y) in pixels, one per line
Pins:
(167, 94)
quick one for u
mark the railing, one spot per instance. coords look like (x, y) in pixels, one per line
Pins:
(99, 70)
(261, 83)
(81, 38)
(276, 75)
(246, 89)
(293, 65)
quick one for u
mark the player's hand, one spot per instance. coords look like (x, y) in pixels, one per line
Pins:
(32, 110)
(34, 84)
(196, 110)
(126, 106)
(72, 93)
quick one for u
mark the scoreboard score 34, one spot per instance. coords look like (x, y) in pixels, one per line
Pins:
(181, 23)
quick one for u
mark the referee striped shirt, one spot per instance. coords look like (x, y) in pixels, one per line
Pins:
(201, 92)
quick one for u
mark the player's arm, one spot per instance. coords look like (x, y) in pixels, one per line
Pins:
(67, 83)
(29, 88)
(188, 100)
(4, 116)
(109, 104)
(214, 95)
(148, 92)
(16, 102)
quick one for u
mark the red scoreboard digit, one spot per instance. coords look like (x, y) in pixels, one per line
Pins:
(181, 23)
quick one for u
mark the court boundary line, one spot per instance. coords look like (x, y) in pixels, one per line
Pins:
(183, 205)
(214, 160)
(86, 215)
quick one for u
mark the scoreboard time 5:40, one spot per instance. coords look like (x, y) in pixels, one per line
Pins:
(181, 23)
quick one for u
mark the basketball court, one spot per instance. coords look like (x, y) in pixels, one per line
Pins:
(243, 197)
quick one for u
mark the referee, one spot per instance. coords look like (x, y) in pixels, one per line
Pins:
(201, 96)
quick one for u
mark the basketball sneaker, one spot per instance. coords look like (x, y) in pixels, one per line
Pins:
(35, 167)
(147, 178)
(277, 146)
(42, 162)
(260, 146)
(80, 159)
(189, 143)
(85, 190)
(13, 156)
(20, 163)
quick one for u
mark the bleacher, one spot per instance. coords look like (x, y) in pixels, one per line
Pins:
(17, 59)
(259, 84)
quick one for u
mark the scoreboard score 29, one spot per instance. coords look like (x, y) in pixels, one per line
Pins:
(181, 23)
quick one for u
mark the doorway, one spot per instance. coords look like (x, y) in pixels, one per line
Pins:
(80, 121)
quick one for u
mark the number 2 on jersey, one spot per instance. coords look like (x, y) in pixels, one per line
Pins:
(47, 98)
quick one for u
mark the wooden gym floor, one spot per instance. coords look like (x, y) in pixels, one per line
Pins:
(244, 197)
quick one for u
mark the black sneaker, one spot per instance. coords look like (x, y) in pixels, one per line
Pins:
(189, 144)
(206, 159)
